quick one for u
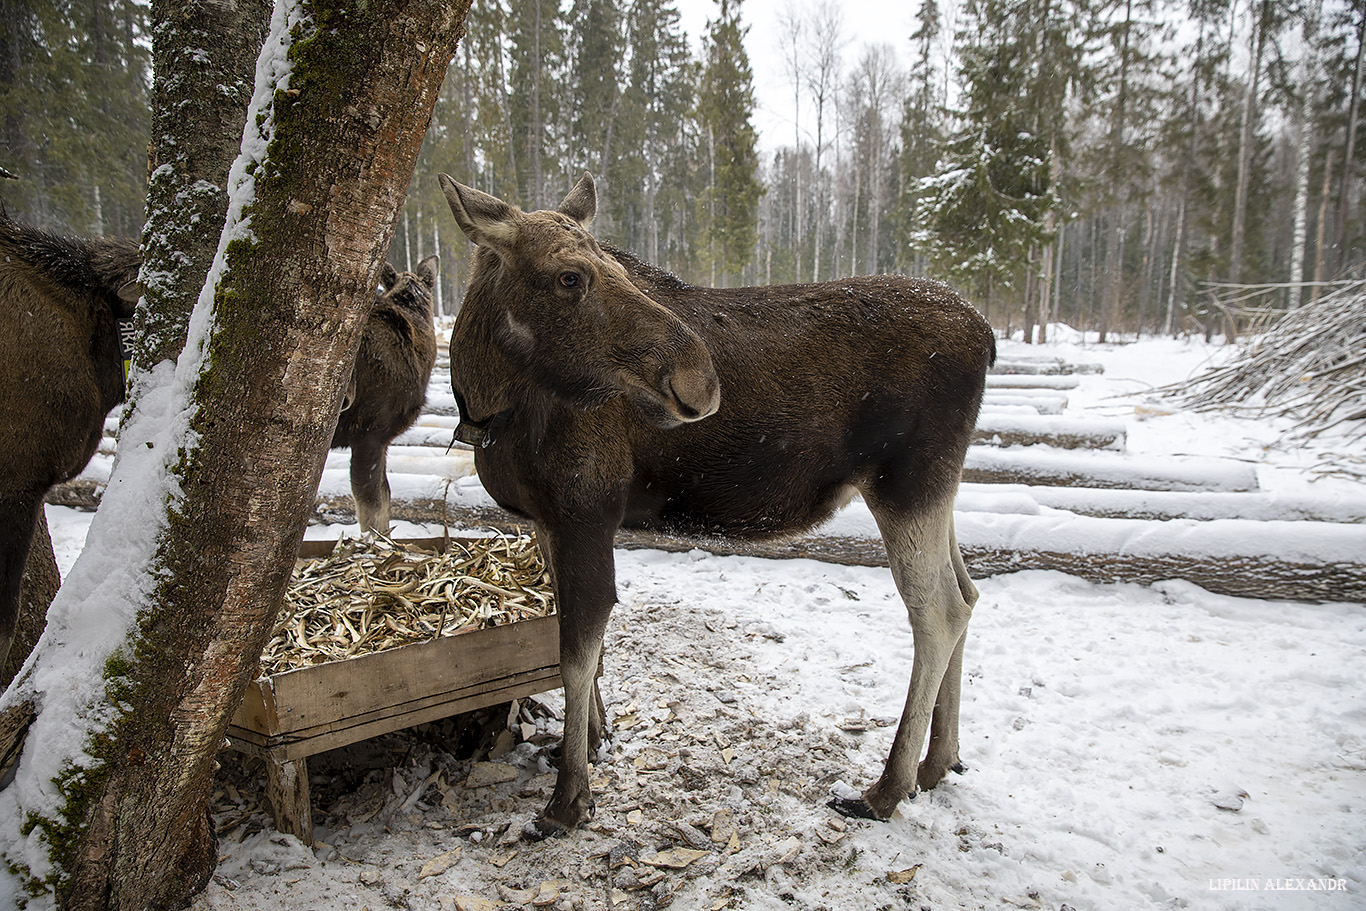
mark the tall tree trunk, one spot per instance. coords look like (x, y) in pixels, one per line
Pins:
(1303, 149)
(1353, 116)
(231, 446)
(199, 107)
(1169, 324)
(1114, 248)
(1246, 139)
(1321, 235)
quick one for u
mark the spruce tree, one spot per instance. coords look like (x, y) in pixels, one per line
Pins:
(649, 197)
(985, 209)
(535, 101)
(729, 208)
(74, 115)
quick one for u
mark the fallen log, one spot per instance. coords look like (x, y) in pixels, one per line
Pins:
(1041, 401)
(1042, 366)
(1304, 561)
(1158, 505)
(1052, 468)
(1011, 381)
(997, 429)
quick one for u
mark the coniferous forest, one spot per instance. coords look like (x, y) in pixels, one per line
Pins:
(1117, 165)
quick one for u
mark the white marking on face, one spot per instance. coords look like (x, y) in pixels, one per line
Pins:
(521, 333)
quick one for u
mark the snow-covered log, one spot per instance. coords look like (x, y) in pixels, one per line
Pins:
(1162, 504)
(1023, 365)
(1065, 433)
(1055, 468)
(1009, 381)
(1042, 401)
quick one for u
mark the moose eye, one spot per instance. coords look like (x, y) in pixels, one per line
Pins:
(569, 279)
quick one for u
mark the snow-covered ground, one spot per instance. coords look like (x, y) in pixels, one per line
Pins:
(1129, 747)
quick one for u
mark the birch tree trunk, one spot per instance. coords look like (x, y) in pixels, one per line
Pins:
(155, 636)
(1353, 115)
(1303, 149)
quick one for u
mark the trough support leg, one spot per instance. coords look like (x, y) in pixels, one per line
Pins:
(287, 791)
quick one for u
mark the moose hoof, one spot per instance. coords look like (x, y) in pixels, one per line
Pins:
(541, 828)
(958, 768)
(853, 807)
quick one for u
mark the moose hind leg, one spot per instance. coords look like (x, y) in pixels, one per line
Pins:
(921, 552)
(942, 755)
(18, 516)
(370, 484)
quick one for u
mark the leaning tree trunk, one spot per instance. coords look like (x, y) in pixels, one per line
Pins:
(108, 808)
(199, 107)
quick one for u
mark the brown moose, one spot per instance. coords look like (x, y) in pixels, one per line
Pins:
(602, 392)
(388, 385)
(60, 374)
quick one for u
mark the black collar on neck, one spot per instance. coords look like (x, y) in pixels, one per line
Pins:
(476, 433)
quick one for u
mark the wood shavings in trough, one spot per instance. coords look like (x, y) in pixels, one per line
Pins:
(373, 594)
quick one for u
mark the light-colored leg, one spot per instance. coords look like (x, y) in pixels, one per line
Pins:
(370, 485)
(942, 754)
(924, 558)
(582, 567)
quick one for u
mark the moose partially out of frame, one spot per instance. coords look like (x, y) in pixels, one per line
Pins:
(61, 373)
(601, 392)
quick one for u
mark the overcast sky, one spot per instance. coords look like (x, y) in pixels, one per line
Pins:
(866, 22)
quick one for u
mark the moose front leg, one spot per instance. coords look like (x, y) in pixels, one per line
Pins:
(583, 570)
(370, 483)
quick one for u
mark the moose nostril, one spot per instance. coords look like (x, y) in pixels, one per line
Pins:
(696, 393)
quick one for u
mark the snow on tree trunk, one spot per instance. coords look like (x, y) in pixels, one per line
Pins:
(199, 107)
(156, 634)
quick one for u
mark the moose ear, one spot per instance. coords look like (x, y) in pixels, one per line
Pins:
(582, 202)
(486, 220)
(388, 276)
(428, 269)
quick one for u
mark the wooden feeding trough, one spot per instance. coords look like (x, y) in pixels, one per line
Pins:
(289, 715)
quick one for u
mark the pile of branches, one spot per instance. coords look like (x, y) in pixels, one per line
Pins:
(1307, 364)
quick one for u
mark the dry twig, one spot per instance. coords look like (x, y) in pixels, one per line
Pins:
(370, 595)
(1306, 364)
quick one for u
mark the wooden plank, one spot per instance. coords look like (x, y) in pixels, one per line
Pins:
(297, 746)
(325, 693)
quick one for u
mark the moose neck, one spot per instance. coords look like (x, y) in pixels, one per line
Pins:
(486, 384)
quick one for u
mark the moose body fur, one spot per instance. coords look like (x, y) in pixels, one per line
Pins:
(388, 386)
(60, 374)
(606, 393)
